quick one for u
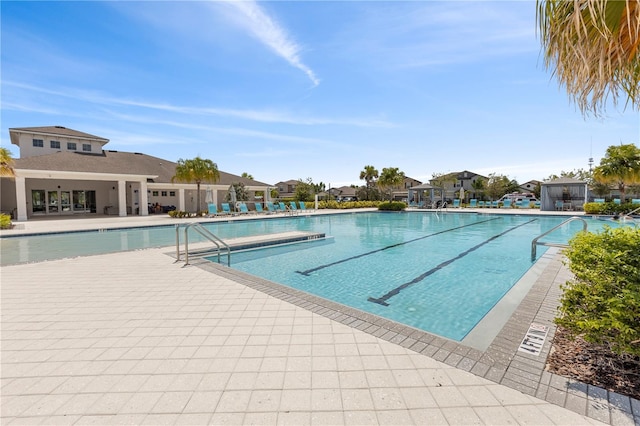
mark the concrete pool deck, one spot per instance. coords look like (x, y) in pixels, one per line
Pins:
(133, 338)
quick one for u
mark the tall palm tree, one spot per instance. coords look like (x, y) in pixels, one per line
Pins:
(6, 163)
(369, 175)
(390, 178)
(620, 165)
(196, 171)
(592, 47)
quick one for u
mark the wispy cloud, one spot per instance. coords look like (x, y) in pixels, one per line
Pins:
(269, 32)
(265, 116)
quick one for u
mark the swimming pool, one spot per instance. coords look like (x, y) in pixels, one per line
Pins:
(437, 272)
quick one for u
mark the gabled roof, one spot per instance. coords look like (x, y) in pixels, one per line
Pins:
(564, 181)
(53, 131)
(115, 162)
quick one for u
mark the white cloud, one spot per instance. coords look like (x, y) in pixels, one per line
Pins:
(270, 33)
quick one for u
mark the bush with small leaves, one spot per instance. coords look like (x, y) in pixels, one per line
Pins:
(602, 302)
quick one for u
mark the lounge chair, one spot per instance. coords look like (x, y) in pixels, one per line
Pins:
(271, 208)
(616, 201)
(213, 210)
(481, 204)
(523, 204)
(259, 208)
(598, 200)
(635, 201)
(244, 209)
(282, 207)
(506, 204)
(456, 203)
(559, 205)
(473, 203)
(494, 204)
(226, 209)
(302, 206)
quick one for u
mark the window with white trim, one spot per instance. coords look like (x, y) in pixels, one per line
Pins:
(38, 143)
(55, 144)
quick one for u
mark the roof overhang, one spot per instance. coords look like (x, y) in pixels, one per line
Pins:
(57, 174)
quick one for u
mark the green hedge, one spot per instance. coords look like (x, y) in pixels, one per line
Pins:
(392, 206)
(609, 208)
(602, 302)
(347, 204)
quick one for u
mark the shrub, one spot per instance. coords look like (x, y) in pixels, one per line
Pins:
(602, 302)
(5, 221)
(609, 208)
(392, 206)
(331, 204)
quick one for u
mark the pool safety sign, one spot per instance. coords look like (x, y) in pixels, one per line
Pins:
(534, 339)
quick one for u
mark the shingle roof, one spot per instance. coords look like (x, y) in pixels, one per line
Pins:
(56, 130)
(116, 162)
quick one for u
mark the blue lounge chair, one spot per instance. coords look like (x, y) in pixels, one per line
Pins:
(259, 208)
(456, 203)
(302, 206)
(616, 201)
(480, 203)
(271, 208)
(473, 203)
(213, 210)
(635, 201)
(523, 204)
(494, 204)
(506, 204)
(244, 209)
(559, 205)
(226, 209)
(598, 200)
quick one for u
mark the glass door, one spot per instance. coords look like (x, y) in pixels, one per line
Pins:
(65, 201)
(38, 205)
(78, 202)
(53, 202)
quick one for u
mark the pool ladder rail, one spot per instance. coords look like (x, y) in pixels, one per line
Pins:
(221, 248)
(535, 243)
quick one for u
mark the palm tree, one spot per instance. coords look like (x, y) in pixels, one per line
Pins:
(6, 163)
(390, 178)
(593, 48)
(369, 175)
(246, 175)
(197, 170)
(620, 165)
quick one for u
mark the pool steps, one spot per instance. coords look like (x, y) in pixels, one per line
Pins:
(226, 247)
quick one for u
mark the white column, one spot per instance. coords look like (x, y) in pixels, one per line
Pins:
(144, 199)
(21, 198)
(181, 199)
(122, 198)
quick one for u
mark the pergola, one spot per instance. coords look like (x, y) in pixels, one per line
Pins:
(421, 190)
(567, 193)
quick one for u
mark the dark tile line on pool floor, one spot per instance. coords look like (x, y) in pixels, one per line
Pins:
(501, 362)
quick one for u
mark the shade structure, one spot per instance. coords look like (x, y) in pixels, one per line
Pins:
(568, 191)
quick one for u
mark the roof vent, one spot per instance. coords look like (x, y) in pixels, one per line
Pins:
(60, 127)
(138, 153)
(112, 150)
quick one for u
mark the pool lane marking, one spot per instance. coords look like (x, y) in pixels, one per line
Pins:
(383, 300)
(308, 271)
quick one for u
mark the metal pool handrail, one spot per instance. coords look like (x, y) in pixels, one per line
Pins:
(220, 245)
(535, 243)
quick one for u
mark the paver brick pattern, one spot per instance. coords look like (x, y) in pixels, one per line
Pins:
(132, 338)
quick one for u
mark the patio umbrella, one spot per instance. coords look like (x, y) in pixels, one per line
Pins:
(233, 197)
(209, 197)
(461, 193)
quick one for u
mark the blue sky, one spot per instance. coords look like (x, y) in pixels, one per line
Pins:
(290, 90)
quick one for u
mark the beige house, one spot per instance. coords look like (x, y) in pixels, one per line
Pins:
(63, 171)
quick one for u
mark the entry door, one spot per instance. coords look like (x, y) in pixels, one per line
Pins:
(38, 205)
(53, 204)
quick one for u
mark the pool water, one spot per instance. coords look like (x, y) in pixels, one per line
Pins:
(440, 273)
